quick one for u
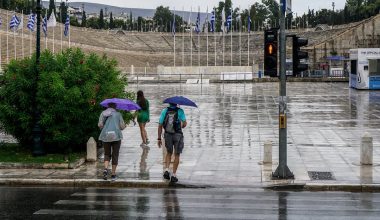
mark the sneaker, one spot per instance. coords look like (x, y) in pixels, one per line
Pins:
(142, 145)
(105, 174)
(113, 178)
(174, 179)
(147, 141)
(167, 175)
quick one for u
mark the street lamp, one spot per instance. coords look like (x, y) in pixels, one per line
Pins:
(37, 132)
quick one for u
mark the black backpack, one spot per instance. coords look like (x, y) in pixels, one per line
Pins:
(172, 123)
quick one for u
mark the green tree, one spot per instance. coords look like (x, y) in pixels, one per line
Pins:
(111, 25)
(93, 23)
(84, 19)
(101, 19)
(163, 16)
(74, 21)
(70, 87)
(63, 12)
(130, 21)
(51, 7)
(218, 16)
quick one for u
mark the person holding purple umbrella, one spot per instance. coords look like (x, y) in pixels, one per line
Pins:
(111, 122)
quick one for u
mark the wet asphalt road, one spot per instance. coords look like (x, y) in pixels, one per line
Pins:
(221, 203)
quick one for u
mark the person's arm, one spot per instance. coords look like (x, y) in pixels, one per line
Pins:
(159, 141)
(122, 123)
(160, 127)
(182, 118)
(100, 122)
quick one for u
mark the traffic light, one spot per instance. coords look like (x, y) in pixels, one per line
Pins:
(270, 52)
(298, 55)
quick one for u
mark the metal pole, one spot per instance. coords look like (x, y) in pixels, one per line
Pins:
(282, 171)
(37, 132)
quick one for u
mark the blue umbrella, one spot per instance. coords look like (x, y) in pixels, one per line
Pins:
(121, 104)
(180, 100)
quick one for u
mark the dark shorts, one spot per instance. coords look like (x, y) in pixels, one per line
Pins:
(174, 141)
(111, 150)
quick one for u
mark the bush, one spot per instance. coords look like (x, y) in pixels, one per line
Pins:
(70, 87)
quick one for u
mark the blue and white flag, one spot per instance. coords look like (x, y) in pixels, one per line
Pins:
(198, 24)
(67, 24)
(44, 25)
(249, 24)
(15, 22)
(31, 22)
(173, 25)
(229, 21)
(212, 28)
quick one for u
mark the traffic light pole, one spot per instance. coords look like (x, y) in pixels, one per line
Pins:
(282, 171)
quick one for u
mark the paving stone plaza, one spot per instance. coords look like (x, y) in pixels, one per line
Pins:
(224, 140)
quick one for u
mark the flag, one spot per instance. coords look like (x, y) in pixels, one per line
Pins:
(67, 24)
(212, 28)
(223, 21)
(1, 22)
(173, 25)
(249, 24)
(198, 24)
(229, 21)
(15, 22)
(21, 25)
(52, 22)
(31, 22)
(44, 26)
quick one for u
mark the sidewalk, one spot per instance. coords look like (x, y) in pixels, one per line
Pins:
(225, 137)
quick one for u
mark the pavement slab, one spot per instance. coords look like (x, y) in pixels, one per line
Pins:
(225, 136)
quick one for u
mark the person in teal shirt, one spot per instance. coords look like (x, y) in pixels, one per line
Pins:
(143, 117)
(172, 120)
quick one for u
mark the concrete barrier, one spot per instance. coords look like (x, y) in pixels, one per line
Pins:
(366, 150)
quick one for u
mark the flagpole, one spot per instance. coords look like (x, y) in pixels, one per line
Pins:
(199, 31)
(173, 31)
(215, 42)
(22, 34)
(31, 39)
(248, 48)
(61, 36)
(53, 36)
(207, 37)
(7, 37)
(14, 39)
(69, 34)
(191, 38)
(231, 39)
(240, 22)
(183, 37)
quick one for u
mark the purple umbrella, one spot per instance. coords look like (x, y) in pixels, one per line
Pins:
(121, 104)
(180, 100)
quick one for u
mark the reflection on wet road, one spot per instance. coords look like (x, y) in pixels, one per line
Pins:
(223, 203)
(225, 136)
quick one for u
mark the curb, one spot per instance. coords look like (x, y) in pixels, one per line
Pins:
(345, 187)
(72, 165)
(97, 183)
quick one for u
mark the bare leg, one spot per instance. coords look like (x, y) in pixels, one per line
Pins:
(106, 163)
(176, 163)
(142, 132)
(167, 160)
(114, 169)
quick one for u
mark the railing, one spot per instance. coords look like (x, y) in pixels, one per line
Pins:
(227, 77)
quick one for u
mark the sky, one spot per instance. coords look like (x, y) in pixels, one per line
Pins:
(299, 6)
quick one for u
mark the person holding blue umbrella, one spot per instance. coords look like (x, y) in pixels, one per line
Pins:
(173, 120)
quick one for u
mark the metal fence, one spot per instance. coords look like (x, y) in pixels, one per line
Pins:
(227, 77)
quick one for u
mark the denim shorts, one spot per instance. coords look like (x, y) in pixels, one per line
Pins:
(174, 141)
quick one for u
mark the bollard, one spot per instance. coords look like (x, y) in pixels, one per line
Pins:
(91, 150)
(268, 152)
(366, 150)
